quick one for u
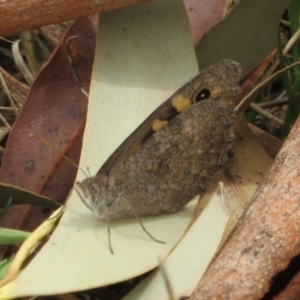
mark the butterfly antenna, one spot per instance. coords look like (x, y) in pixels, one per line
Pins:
(64, 156)
(88, 171)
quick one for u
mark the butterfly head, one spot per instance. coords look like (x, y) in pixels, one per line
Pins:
(91, 194)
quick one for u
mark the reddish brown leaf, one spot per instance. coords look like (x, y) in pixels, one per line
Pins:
(252, 78)
(55, 110)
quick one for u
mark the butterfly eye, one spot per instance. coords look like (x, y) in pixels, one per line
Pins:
(94, 189)
(203, 94)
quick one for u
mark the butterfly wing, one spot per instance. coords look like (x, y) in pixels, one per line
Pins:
(176, 163)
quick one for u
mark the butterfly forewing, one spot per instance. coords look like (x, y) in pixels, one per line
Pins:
(159, 172)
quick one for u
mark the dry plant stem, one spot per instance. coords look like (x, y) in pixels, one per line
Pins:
(5, 122)
(265, 114)
(6, 40)
(242, 106)
(7, 92)
(16, 89)
(271, 103)
(166, 279)
(19, 16)
(20, 62)
(8, 108)
(267, 236)
(285, 50)
(43, 230)
(67, 43)
(291, 41)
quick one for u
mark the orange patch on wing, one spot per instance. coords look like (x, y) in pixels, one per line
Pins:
(158, 125)
(134, 149)
(180, 103)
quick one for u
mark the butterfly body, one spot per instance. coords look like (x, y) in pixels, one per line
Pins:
(159, 172)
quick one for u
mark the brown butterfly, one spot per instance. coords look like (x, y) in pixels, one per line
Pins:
(173, 155)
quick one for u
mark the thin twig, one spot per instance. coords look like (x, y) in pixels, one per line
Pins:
(166, 279)
(7, 92)
(274, 102)
(9, 108)
(285, 50)
(266, 114)
(67, 43)
(4, 121)
(245, 103)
